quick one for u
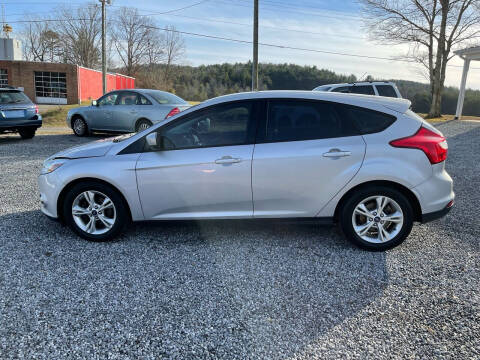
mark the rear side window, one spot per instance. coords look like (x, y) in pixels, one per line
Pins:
(367, 121)
(386, 90)
(297, 120)
(342, 89)
(362, 89)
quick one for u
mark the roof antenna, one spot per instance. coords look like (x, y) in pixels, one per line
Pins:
(362, 77)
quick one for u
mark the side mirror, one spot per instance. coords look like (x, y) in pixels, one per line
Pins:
(94, 103)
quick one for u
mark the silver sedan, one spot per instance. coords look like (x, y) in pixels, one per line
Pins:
(125, 111)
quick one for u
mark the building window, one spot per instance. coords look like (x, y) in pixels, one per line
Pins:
(51, 84)
(3, 77)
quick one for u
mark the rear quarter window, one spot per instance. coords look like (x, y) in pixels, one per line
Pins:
(367, 121)
(386, 90)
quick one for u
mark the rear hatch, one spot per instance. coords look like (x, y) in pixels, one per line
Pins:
(15, 104)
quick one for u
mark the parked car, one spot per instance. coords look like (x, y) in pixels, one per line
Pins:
(125, 111)
(18, 114)
(379, 88)
(368, 163)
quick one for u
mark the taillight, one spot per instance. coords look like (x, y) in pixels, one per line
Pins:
(432, 144)
(36, 109)
(172, 112)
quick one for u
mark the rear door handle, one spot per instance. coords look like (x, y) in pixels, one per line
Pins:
(227, 160)
(337, 153)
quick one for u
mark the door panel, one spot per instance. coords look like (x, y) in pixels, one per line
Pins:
(298, 178)
(100, 116)
(196, 183)
(124, 112)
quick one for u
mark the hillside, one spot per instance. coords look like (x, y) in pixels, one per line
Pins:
(207, 81)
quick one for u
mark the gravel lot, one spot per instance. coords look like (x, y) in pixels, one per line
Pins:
(235, 290)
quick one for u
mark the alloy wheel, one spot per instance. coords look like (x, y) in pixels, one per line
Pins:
(79, 126)
(94, 212)
(377, 219)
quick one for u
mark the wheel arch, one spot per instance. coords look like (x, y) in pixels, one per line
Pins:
(70, 185)
(417, 210)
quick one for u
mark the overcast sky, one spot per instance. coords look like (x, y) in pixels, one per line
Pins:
(323, 25)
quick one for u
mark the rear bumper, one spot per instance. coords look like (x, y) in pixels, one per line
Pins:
(437, 214)
(18, 124)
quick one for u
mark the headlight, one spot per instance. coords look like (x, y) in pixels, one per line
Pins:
(51, 165)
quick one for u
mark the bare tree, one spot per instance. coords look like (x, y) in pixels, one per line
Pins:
(80, 34)
(136, 39)
(41, 42)
(432, 28)
(174, 48)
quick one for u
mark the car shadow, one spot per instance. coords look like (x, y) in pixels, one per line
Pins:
(269, 289)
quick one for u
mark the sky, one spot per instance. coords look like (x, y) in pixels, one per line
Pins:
(320, 25)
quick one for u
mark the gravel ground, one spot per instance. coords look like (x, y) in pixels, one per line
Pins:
(235, 289)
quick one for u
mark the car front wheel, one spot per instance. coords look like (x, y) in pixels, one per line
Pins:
(377, 218)
(79, 127)
(95, 211)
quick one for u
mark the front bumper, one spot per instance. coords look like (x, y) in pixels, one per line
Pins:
(48, 195)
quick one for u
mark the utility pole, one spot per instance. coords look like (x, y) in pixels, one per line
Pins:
(104, 52)
(255, 47)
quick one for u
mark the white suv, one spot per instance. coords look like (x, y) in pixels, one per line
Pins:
(378, 88)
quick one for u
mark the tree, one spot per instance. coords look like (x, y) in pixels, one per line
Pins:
(432, 29)
(136, 40)
(42, 43)
(174, 48)
(80, 33)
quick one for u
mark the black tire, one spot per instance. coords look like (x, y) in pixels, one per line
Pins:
(79, 126)
(27, 133)
(142, 124)
(121, 210)
(347, 210)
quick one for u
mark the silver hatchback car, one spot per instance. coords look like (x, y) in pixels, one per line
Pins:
(130, 110)
(368, 163)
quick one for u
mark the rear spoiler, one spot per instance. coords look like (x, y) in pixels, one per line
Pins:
(399, 105)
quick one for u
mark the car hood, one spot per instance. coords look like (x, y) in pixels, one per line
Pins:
(93, 149)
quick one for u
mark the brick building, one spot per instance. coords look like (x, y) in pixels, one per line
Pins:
(53, 83)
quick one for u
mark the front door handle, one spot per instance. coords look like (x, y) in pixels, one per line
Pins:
(227, 160)
(333, 153)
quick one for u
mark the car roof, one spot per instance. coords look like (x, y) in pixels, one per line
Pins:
(379, 103)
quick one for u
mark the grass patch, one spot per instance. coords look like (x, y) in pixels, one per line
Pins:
(448, 118)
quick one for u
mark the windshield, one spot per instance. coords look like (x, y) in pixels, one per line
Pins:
(166, 98)
(13, 97)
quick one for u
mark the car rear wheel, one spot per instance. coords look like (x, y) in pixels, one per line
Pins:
(95, 211)
(143, 125)
(27, 133)
(377, 218)
(79, 127)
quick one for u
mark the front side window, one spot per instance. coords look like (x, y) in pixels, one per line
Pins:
(127, 98)
(363, 89)
(386, 90)
(108, 99)
(221, 125)
(298, 120)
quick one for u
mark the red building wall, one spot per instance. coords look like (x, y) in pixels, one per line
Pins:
(90, 83)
